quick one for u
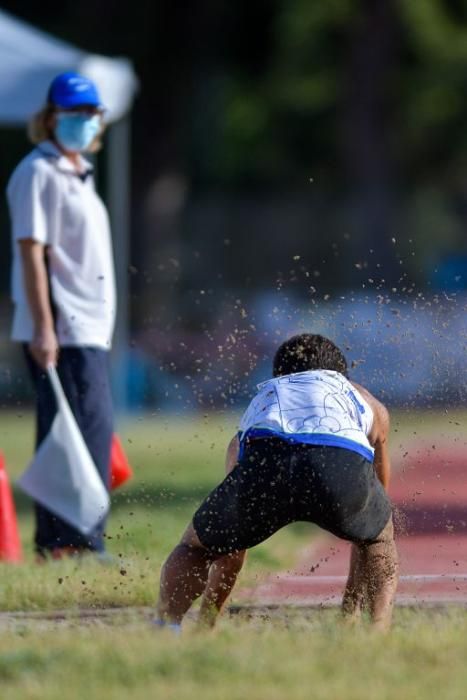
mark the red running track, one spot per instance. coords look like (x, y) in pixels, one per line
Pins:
(429, 490)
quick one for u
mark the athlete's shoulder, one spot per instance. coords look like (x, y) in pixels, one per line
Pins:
(369, 396)
(381, 417)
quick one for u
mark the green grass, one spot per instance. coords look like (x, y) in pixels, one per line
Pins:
(176, 463)
(292, 655)
(298, 658)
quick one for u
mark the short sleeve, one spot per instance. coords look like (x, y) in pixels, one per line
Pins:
(28, 194)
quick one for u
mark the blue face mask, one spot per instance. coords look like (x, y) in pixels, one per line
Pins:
(76, 132)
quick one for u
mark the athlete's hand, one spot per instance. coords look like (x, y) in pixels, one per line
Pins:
(44, 347)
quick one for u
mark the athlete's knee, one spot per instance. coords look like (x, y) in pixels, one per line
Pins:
(193, 547)
(381, 554)
(386, 536)
(382, 545)
(190, 538)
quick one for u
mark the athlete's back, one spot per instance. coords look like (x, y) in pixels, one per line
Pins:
(319, 407)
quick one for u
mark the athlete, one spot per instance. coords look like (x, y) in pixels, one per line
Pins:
(312, 446)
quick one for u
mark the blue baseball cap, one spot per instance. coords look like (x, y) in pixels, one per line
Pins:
(71, 89)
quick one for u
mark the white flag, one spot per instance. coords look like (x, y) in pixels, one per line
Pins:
(62, 475)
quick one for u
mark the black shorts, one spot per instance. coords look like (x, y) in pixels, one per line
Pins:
(276, 483)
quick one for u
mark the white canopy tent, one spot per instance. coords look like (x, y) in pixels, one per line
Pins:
(29, 60)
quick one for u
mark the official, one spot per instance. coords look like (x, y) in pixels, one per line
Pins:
(63, 284)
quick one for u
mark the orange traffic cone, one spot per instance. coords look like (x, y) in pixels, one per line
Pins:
(10, 545)
(120, 470)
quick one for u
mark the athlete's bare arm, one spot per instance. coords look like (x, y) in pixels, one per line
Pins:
(379, 435)
(224, 571)
(231, 456)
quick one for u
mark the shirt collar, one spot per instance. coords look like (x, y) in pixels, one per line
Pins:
(48, 148)
(285, 377)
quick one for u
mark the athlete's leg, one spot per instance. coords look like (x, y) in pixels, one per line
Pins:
(183, 577)
(382, 576)
(224, 571)
(354, 599)
(373, 578)
(190, 571)
(234, 517)
(221, 580)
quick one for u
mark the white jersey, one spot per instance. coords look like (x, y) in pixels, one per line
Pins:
(318, 407)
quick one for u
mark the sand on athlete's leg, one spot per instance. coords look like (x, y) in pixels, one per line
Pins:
(222, 578)
(183, 577)
(381, 568)
(354, 599)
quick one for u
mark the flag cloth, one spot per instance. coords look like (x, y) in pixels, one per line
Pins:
(62, 476)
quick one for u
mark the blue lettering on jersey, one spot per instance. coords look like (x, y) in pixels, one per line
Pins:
(360, 407)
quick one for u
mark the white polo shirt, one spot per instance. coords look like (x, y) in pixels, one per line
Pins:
(50, 203)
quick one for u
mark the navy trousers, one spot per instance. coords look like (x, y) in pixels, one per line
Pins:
(84, 374)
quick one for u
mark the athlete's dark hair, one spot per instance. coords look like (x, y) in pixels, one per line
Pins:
(307, 351)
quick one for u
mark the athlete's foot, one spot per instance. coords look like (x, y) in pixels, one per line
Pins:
(382, 624)
(351, 619)
(160, 624)
(353, 604)
(208, 616)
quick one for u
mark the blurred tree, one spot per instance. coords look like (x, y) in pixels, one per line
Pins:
(432, 86)
(263, 90)
(368, 98)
